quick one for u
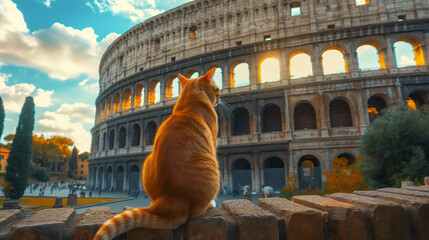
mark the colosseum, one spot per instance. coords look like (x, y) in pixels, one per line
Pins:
(295, 73)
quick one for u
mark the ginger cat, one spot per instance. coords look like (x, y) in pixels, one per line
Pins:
(181, 175)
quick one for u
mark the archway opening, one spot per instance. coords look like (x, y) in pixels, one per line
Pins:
(350, 158)
(415, 100)
(304, 117)
(333, 62)
(241, 75)
(241, 174)
(109, 106)
(408, 52)
(116, 103)
(300, 66)
(100, 178)
(271, 119)
(270, 70)
(109, 178)
(134, 179)
(375, 106)
(309, 173)
(119, 178)
(368, 58)
(103, 139)
(135, 135)
(139, 96)
(218, 78)
(274, 173)
(175, 88)
(122, 137)
(241, 122)
(150, 133)
(111, 139)
(339, 113)
(155, 92)
(126, 100)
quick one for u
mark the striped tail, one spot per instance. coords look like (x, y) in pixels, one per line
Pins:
(134, 218)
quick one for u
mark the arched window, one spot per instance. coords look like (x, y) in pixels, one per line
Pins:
(375, 106)
(369, 58)
(119, 178)
(300, 66)
(241, 122)
(139, 96)
(408, 52)
(271, 119)
(339, 113)
(109, 106)
(150, 133)
(241, 76)
(350, 158)
(274, 173)
(122, 137)
(309, 173)
(218, 78)
(126, 100)
(109, 178)
(136, 135)
(304, 117)
(103, 144)
(333, 62)
(116, 103)
(103, 110)
(270, 70)
(415, 100)
(155, 92)
(111, 139)
(194, 75)
(175, 87)
(241, 174)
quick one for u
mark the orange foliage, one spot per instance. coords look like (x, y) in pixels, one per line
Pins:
(411, 104)
(344, 177)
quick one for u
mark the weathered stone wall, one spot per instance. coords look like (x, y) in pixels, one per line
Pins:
(385, 214)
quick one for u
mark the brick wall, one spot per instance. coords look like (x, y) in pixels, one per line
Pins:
(388, 213)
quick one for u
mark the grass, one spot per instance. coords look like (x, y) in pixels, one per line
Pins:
(40, 203)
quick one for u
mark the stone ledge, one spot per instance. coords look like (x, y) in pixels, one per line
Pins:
(384, 214)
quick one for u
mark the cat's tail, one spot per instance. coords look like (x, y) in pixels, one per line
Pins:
(138, 217)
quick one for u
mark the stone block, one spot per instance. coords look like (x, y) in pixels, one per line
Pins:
(406, 184)
(91, 221)
(419, 188)
(417, 207)
(58, 202)
(253, 222)
(297, 222)
(7, 219)
(345, 221)
(151, 234)
(210, 226)
(72, 199)
(406, 191)
(48, 224)
(386, 220)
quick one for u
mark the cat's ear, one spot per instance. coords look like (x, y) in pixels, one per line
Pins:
(210, 73)
(182, 80)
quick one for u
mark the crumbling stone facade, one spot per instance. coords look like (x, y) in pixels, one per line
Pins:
(292, 125)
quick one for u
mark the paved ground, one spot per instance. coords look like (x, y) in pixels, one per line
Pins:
(141, 201)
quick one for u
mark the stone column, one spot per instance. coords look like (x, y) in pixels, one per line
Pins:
(291, 164)
(363, 114)
(391, 60)
(316, 61)
(114, 176)
(125, 186)
(253, 72)
(284, 68)
(324, 115)
(288, 132)
(257, 183)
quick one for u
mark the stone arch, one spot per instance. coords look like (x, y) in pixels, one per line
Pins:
(109, 106)
(271, 118)
(122, 137)
(417, 99)
(269, 69)
(150, 133)
(135, 141)
(139, 96)
(173, 87)
(103, 144)
(218, 77)
(362, 57)
(309, 172)
(103, 110)
(192, 74)
(109, 175)
(241, 122)
(350, 157)
(338, 56)
(111, 139)
(241, 174)
(133, 178)
(155, 92)
(240, 74)
(119, 178)
(300, 65)
(416, 48)
(116, 103)
(94, 178)
(304, 116)
(375, 105)
(126, 100)
(100, 178)
(274, 173)
(339, 113)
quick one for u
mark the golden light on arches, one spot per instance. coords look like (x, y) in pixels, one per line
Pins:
(300, 65)
(241, 75)
(126, 100)
(333, 61)
(139, 96)
(218, 78)
(369, 58)
(175, 87)
(157, 93)
(270, 70)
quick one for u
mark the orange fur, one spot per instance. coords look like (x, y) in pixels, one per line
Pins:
(181, 174)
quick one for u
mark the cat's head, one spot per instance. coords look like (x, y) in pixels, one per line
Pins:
(203, 83)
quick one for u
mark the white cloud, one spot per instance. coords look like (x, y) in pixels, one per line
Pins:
(47, 3)
(80, 111)
(86, 85)
(135, 10)
(89, 5)
(57, 124)
(60, 51)
(405, 61)
(14, 95)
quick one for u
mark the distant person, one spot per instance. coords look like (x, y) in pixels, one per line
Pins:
(99, 192)
(90, 193)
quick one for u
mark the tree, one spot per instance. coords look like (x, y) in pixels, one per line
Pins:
(73, 160)
(1, 116)
(345, 177)
(51, 153)
(9, 139)
(18, 162)
(84, 156)
(396, 147)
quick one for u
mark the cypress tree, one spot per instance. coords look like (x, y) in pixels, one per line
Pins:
(73, 160)
(1, 117)
(18, 162)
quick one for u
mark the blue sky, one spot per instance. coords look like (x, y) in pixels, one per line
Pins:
(50, 49)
